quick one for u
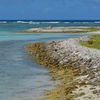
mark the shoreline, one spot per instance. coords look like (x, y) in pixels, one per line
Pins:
(77, 67)
(62, 30)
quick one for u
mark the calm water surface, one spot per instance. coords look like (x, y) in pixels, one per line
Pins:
(20, 77)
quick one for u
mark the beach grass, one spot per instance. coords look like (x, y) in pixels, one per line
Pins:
(91, 28)
(94, 42)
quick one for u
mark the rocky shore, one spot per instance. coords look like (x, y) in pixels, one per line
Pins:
(70, 52)
(77, 67)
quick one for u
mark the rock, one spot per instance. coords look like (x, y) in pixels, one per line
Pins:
(70, 52)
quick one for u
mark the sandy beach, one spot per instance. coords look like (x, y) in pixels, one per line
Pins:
(62, 30)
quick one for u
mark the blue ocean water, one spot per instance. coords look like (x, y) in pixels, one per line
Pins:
(21, 78)
(22, 24)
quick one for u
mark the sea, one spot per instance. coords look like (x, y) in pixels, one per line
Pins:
(21, 78)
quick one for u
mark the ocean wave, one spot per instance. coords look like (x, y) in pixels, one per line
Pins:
(3, 22)
(23, 22)
(51, 22)
(27, 22)
(97, 22)
(31, 22)
(34, 22)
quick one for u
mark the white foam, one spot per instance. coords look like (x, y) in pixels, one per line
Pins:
(3, 22)
(22, 22)
(97, 22)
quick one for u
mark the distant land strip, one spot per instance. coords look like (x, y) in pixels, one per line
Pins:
(62, 30)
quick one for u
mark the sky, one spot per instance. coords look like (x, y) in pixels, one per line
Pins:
(50, 9)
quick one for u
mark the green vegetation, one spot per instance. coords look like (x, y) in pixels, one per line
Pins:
(91, 28)
(94, 42)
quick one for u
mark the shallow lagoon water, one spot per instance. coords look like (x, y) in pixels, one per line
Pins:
(21, 78)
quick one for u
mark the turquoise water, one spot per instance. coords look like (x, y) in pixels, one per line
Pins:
(20, 77)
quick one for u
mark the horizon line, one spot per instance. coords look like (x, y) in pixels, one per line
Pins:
(49, 20)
